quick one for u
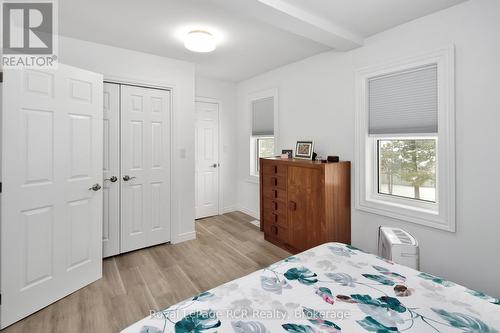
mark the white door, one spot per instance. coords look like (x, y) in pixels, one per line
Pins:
(207, 159)
(145, 164)
(51, 219)
(111, 171)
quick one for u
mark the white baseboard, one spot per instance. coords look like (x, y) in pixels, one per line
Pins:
(229, 209)
(256, 223)
(184, 237)
(252, 213)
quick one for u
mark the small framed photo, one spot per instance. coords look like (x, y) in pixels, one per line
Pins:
(304, 150)
(287, 152)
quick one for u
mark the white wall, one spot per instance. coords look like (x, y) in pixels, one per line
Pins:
(317, 102)
(225, 93)
(141, 67)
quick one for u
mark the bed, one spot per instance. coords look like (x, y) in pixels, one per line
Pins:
(331, 288)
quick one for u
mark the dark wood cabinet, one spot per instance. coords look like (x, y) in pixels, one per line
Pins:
(305, 203)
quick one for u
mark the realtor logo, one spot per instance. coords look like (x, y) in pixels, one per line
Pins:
(27, 28)
(28, 33)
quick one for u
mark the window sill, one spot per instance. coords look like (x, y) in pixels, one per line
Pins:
(411, 214)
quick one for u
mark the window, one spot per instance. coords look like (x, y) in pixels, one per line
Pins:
(262, 136)
(405, 140)
(264, 148)
(407, 168)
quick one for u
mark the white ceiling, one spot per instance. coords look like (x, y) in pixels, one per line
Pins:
(254, 35)
(368, 17)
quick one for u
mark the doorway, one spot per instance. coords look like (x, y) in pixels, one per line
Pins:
(207, 158)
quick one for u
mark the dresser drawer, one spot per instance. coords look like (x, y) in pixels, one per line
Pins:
(268, 226)
(275, 206)
(274, 217)
(274, 169)
(279, 233)
(270, 181)
(274, 193)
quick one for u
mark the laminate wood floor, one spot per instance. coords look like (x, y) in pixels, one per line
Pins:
(227, 247)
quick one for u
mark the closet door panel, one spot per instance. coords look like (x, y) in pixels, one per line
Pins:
(159, 156)
(133, 196)
(111, 168)
(145, 142)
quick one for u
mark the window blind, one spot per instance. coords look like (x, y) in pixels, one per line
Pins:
(263, 117)
(405, 102)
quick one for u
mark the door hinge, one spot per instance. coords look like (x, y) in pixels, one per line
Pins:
(0, 187)
(1, 77)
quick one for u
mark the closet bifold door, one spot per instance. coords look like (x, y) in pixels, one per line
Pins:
(111, 171)
(145, 167)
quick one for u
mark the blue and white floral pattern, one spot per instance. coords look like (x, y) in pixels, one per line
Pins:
(331, 288)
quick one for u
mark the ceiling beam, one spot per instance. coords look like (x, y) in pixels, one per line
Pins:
(287, 17)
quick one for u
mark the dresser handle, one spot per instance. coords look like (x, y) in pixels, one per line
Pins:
(275, 169)
(275, 230)
(275, 193)
(275, 217)
(275, 205)
(292, 205)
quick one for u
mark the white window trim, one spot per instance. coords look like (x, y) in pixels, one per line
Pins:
(442, 214)
(268, 93)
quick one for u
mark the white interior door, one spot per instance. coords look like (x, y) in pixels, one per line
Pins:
(145, 164)
(51, 219)
(207, 159)
(111, 171)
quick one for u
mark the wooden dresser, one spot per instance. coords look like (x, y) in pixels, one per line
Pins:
(305, 203)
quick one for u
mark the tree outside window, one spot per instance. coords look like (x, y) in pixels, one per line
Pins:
(407, 168)
(265, 148)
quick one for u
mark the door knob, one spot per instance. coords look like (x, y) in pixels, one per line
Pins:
(127, 178)
(215, 165)
(112, 179)
(95, 187)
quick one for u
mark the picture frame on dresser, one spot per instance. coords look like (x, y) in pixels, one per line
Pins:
(304, 150)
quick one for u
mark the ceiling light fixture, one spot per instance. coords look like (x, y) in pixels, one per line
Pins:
(200, 41)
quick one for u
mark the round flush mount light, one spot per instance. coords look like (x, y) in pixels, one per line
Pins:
(200, 41)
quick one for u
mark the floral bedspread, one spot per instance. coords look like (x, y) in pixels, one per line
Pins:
(331, 288)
